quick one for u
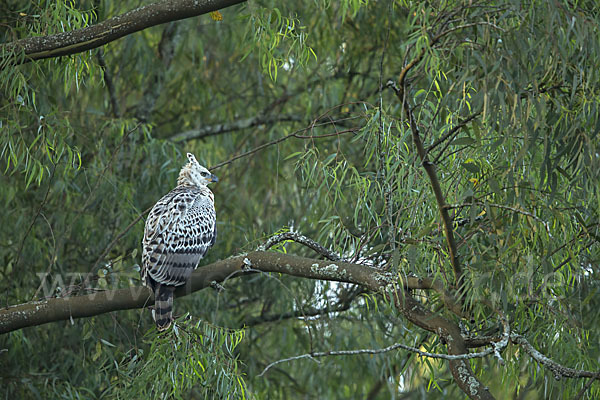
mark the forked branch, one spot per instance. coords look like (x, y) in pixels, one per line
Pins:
(435, 183)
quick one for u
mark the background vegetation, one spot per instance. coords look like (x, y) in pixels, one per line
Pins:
(311, 115)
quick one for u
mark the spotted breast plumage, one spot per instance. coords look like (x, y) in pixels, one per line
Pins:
(180, 228)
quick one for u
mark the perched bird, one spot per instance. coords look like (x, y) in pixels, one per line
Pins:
(179, 230)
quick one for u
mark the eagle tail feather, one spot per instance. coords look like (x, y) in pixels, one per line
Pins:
(163, 306)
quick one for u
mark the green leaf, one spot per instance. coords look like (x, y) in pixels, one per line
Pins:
(463, 141)
(471, 167)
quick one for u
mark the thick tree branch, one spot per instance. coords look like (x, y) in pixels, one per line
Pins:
(61, 309)
(65, 43)
(450, 334)
(445, 295)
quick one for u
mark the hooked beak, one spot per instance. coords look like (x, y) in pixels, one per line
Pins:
(213, 178)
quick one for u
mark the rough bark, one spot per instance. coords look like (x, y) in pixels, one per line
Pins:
(76, 41)
(61, 309)
(449, 333)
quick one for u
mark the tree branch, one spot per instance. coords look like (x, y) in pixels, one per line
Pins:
(65, 43)
(217, 129)
(101, 302)
(313, 312)
(451, 133)
(586, 387)
(283, 138)
(503, 207)
(112, 93)
(557, 369)
(449, 333)
(296, 237)
(435, 183)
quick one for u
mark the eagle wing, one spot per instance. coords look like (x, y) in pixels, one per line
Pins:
(180, 228)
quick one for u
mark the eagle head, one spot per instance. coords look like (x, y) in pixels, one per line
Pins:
(194, 174)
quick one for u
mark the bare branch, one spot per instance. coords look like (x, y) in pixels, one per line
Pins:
(449, 333)
(217, 129)
(37, 214)
(459, 27)
(100, 302)
(433, 41)
(395, 346)
(313, 312)
(586, 387)
(65, 43)
(495, 349)
(283, 138)
(557, 369)
(296, 237)
(113, 243)
(446, 297)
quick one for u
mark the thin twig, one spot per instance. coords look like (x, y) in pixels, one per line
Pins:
(451, 132)
(343, 304)
(586, 387)
(98, 182)
(52, 260)
(106, 167)
(212, 130)
(112, 244)
(37, 214)
(513, 209)
(459, 27)
(281, 139)
(166, 50)
(296, 237)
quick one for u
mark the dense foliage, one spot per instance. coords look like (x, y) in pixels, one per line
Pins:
(289, 102)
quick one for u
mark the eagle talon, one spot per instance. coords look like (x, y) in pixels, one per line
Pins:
(246, 264)
(217, 286)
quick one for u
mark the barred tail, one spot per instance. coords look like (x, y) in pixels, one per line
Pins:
(163, 306)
